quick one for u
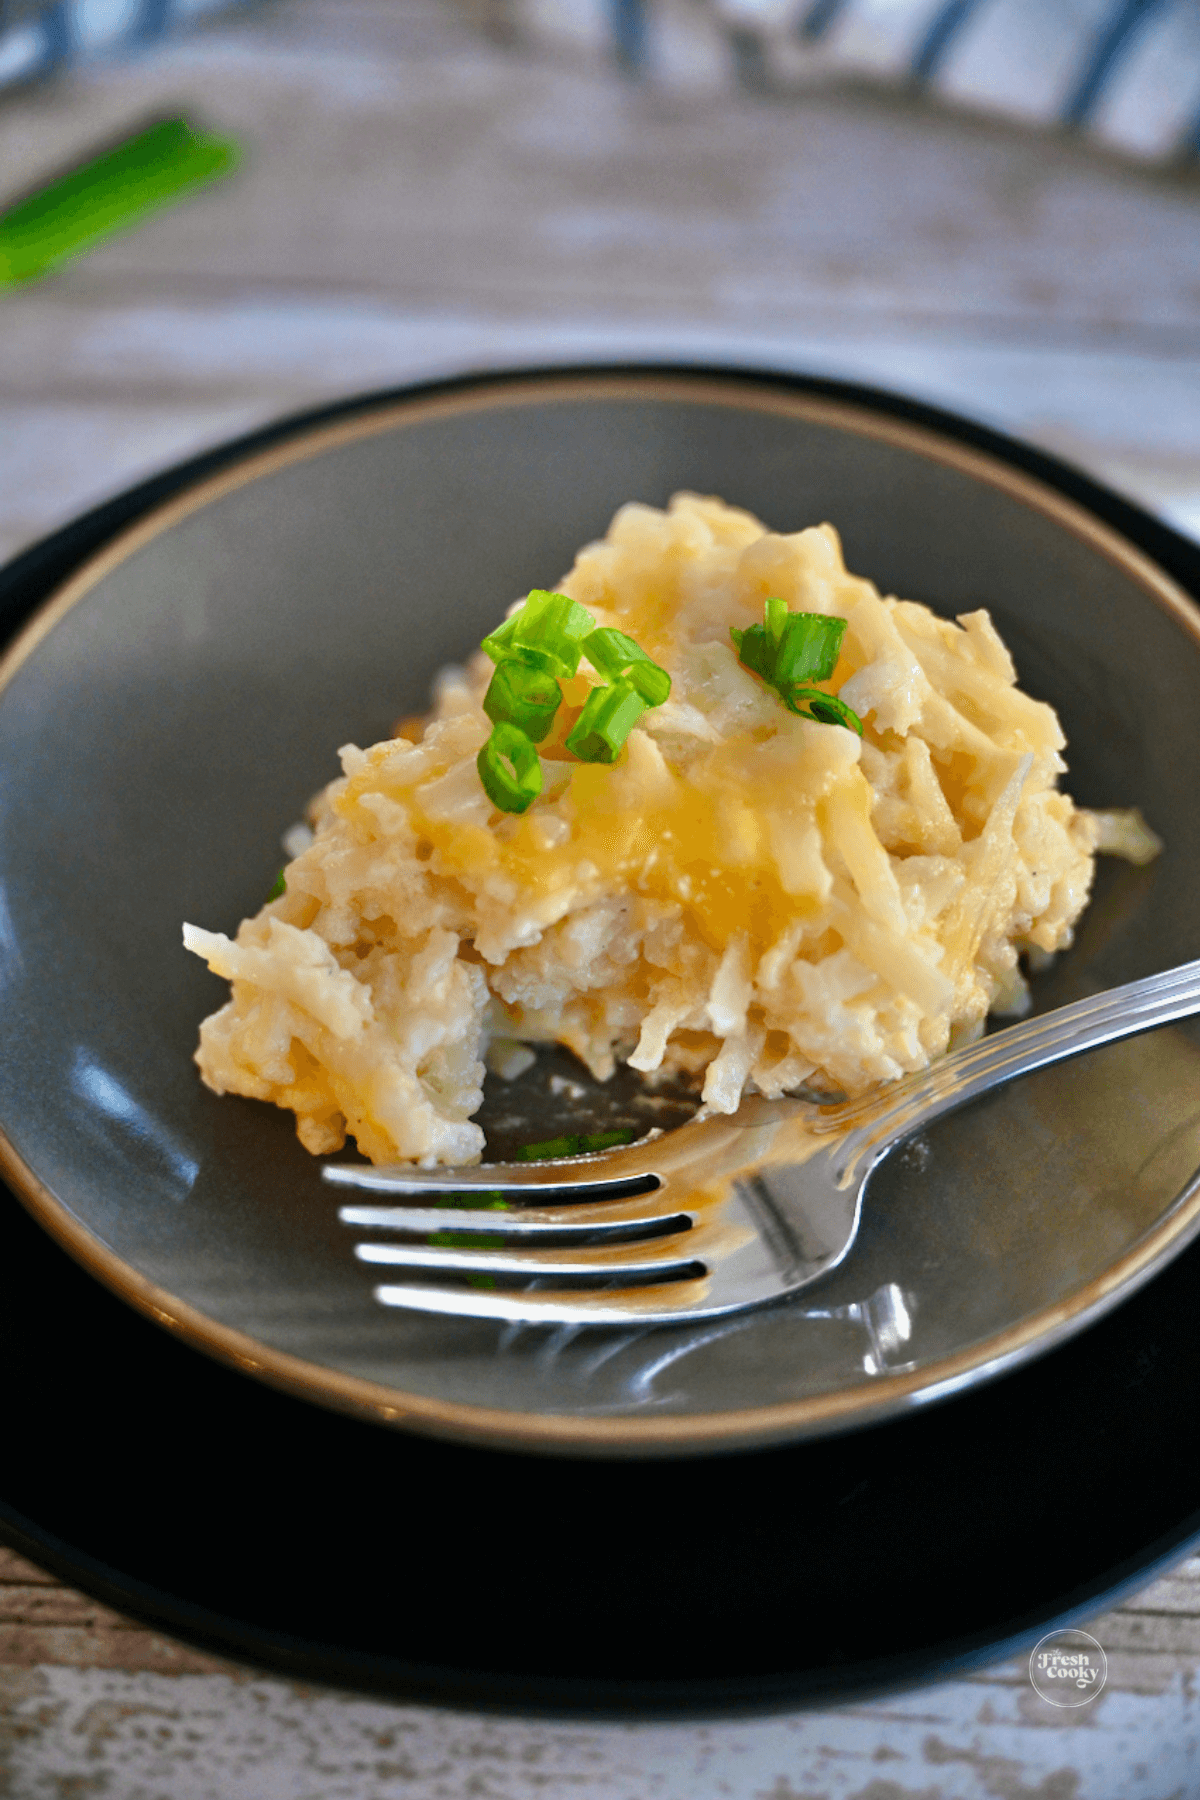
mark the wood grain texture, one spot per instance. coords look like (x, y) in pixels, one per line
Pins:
(43, 1621)
(90, 1702)
(418, 199)
(421, 162)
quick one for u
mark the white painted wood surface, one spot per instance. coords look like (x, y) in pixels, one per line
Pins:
(418, 200)
(91, 1704)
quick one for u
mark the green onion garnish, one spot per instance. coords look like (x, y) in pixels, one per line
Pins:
(509, 769)
(609, 715)
(547, 633)
(280, 886)
(477, 1203)
(790, 651)
(826, 709)
(575, 1145)
(617, 657)
(753, 648)
(535, 650)
(775, 618)
(808, 648)
(109, 193)
(491, 1200)
(522, 696)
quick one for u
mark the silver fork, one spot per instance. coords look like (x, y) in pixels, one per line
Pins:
(601, 1244)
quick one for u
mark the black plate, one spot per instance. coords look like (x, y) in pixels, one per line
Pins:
(270, 1529)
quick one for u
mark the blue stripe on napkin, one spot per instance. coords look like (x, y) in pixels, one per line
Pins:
(46, 39)
(817, 20)
(1113, 44)
(943, 27)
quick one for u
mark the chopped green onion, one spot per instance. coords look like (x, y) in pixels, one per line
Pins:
(808, 648)
(109, 193)
(616, 656)
(549, 1147)
(789, 650)
(539, 646)
(498, 643)
(754, 649)
(790, 647)
(826, 709)
(575, 1145)
(547, 633)
(775, 618)
(609, 715)
(489, 1201)
(591, 1141)
(509, 769)
(280, 886)
(525, 697)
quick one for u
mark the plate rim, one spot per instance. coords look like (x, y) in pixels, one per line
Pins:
(570, 1698)
(861, 412)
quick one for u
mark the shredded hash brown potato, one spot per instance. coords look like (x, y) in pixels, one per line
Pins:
(772, 901)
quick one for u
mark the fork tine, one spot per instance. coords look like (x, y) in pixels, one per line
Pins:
(541, 1226)
(585, 1182)
(520, 1266)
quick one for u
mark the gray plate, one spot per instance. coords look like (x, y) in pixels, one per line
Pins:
(170, 712)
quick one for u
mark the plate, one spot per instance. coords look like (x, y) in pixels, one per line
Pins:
(174, 706)
(254, 1521)
(171, 710)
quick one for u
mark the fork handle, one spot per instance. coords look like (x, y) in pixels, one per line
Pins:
(965, 1074)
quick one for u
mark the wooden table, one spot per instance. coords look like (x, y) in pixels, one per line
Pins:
(417, 200)
(92, 1703)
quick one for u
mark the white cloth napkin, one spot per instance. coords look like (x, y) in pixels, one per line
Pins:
(1127, 72)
